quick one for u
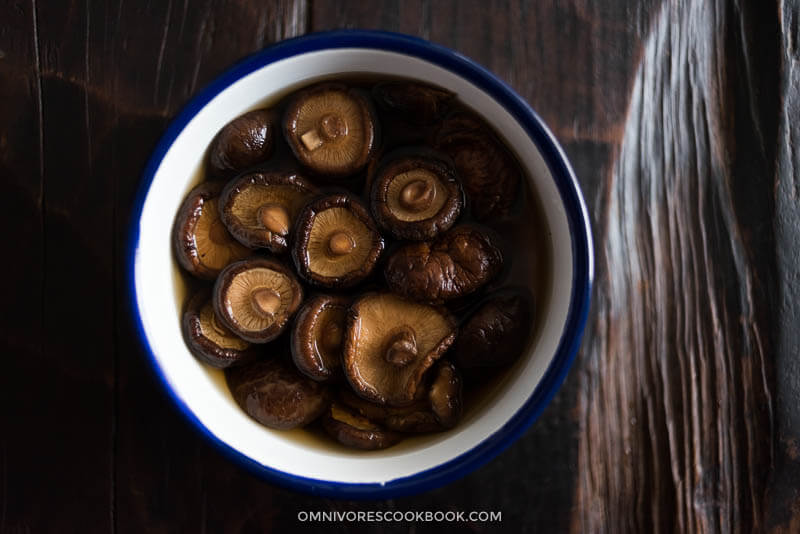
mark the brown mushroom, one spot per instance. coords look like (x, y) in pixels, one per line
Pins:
(317, 335)
(245, 141)
(273, 393)
(336, 243)
(416, 103)
(489, 173)
(496, 333)
(260, 208)
(201, 242)
(256, 297)
(414, 418)
(389, 344)
(208, 339)
(331, 129)
(445, 394)
(455, 264)
(353, 430)
(416, 197)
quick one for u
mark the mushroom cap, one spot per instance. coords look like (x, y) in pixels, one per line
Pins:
(331, 129)
(389, 344)
(445, 394)
(455, 264)
(209, 340)
(317, 335)
(201, 242)
(273, 393)
(354, 430)
(414, 418)
(417, 103)
(256, 297)
(416, 197)
(489, 173)
(496, 333)
(336, 242)
(245, 141)
(259, 208)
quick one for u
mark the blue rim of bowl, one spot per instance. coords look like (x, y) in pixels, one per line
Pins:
(568, 187)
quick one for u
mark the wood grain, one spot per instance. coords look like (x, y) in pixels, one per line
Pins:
(676, 403)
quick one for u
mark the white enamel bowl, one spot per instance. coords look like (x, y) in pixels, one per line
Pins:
(306, 463)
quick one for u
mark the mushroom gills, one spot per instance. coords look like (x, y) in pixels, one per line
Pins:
(207, 339)
(202, 244)
(256, 297)
(331, 129)
(317, 336)
(259, 209)
(389, 344)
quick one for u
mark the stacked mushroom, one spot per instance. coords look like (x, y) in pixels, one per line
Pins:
(326, 209)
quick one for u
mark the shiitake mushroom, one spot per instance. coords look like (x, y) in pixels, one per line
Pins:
(336, 242)
(455, 264)
(390, 342)
(445, 394)
(208, 339)
(256, 297)
(259, 208)
(416, 418)
(489, 173)
(354, 430)
(201, 242)
(416, 195)
(496, 332)
(317, 335)
(275, 394)
(417, 103)
(242, 143)
(331, 129)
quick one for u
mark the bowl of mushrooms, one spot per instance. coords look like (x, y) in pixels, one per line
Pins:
(360, 264)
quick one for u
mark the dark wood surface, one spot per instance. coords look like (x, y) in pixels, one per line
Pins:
(682, 411)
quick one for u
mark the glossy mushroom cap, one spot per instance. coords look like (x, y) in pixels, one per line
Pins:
(354, 430)
(256, 297)
(273, 393)
(489, 173)
(201, 242)
(455, 264)
(497, 331)
(208, 339)
(389, 344)
(242, 143)
(416, 103)
(445, 394)
(259, 208)
(331, 129)
(416, 197)
(336, 243)
(317, 336)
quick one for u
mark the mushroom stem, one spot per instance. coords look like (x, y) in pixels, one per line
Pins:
(340, 243)
(417, 195)
(265, 302)
(332, 126)
(402, 347)
(311, 140)
(274, 218)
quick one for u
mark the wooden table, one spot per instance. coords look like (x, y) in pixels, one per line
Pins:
(681, 119)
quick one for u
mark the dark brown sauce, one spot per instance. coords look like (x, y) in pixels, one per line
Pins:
(530, 264)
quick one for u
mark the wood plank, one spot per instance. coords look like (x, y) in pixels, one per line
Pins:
(783, 511)
(574, 61)
(57, 391)
(677, 390)
(168, 477)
